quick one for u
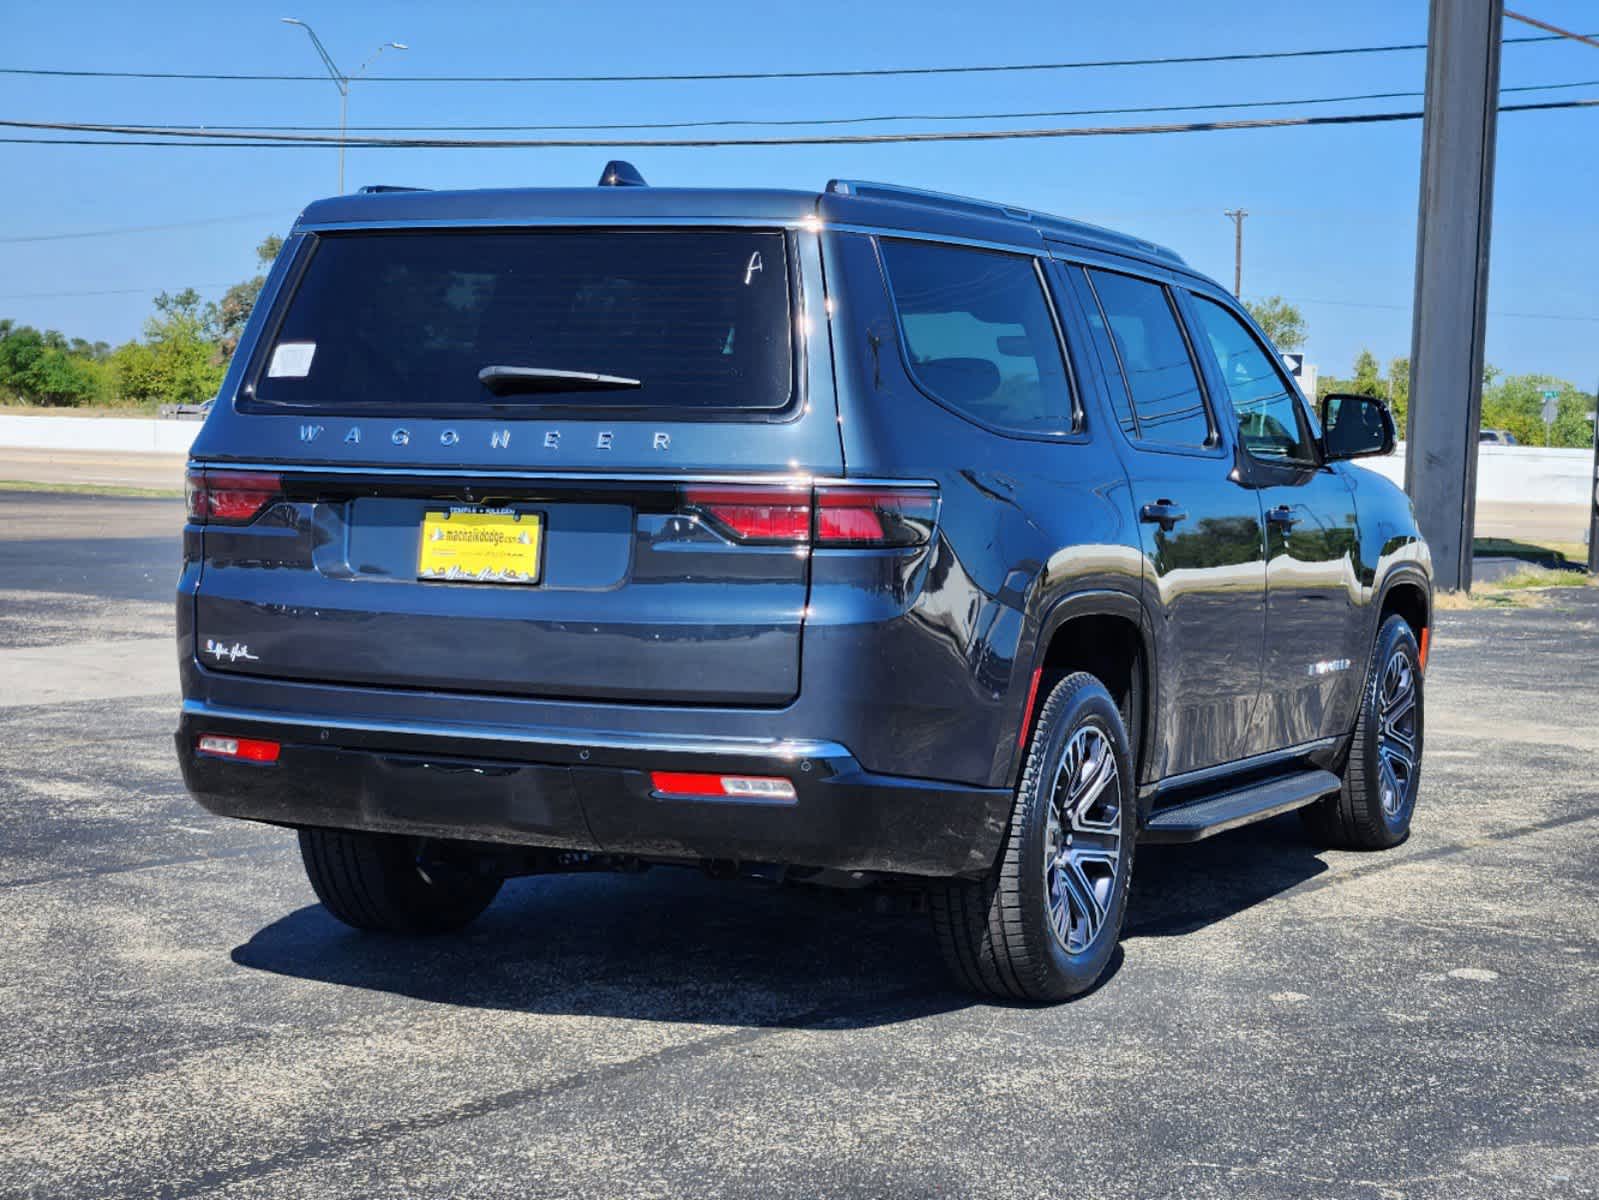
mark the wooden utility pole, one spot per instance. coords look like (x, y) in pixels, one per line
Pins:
(1238, 215)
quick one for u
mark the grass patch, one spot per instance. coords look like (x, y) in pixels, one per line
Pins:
(90, 489)
(1545, 552)
(1523, 588)
(90, 411)
(1541, 577)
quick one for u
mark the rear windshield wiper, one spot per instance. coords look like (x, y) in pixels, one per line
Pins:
(513, 381)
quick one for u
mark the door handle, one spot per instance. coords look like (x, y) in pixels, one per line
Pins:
(1283, 517)
(1163, 513)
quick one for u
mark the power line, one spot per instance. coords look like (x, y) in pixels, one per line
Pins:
(201, 137)
(1527, 316)
(863, 120)
(1554, 29)
(105, 292)
(714, 76)
(93, 233)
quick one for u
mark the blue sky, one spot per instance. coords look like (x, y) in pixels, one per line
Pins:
(1333, 210)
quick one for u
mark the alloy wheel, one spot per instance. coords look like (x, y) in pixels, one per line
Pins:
(1396, 732)
(1082, 845)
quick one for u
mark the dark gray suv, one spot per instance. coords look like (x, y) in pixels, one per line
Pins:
(869, 534)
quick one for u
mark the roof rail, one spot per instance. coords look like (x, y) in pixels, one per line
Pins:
(373, 189)
(1062, 226)
(910, 195)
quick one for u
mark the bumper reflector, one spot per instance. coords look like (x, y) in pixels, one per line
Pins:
(770, 789)
(242, 749)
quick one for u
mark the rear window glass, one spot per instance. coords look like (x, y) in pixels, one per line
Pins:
(979, 334)
(693, 320)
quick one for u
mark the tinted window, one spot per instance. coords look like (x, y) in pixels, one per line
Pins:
(1115, 385)
(700, 319)
(1167, 402)
(1269, 419)
(979, 334)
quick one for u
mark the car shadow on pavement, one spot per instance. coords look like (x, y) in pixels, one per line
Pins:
(1179, 889)
(671, 945)
(668, 945)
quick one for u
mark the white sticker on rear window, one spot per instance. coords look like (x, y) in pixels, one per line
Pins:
(291, 360)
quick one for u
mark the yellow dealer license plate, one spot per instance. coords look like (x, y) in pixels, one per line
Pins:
(474, 545)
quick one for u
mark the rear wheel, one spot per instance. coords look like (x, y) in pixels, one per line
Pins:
(381, 882)
(1372, 810)
(1044, 923)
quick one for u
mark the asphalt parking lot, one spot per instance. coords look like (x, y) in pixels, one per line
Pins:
(179, 1018)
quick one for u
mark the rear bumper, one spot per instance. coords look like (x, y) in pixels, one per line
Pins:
(591, 792)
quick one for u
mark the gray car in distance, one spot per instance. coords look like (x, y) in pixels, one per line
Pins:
(840, 536)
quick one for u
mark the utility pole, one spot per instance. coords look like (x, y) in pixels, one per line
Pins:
(1593, 495)
(1457, 173)
(1238, 215)
(341, 80)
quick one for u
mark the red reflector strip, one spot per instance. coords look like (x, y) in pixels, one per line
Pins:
(242, 749)
(723, 787)
(1426, 644)
(756, 514)
(1027, 713)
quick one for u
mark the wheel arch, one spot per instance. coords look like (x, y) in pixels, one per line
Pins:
(1406, 592)
(1106, 634)
(1409, 594)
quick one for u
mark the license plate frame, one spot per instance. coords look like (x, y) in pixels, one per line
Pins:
(491, 546)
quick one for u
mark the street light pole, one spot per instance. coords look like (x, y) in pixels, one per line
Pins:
(341, 80)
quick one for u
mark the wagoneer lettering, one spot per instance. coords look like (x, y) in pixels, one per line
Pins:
(1014, 564)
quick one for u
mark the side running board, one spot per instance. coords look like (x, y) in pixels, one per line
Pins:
(1238, 806)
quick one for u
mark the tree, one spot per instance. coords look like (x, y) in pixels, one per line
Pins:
(42, 368)
(1368, 375)
(1282, 322)
(1367, 381)
(1515, 402)
(178, 362)
(238, 302)
(1399, 391)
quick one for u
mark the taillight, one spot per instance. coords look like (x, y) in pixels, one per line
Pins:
(756, 514)
(230, 497)
(848, 516)
(241, 749)
(830, 516)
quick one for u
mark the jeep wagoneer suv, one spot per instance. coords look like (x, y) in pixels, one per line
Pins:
(856, 534)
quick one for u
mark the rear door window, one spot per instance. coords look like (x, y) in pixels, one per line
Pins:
(979, 334)
(1167, 403)
(691, 320)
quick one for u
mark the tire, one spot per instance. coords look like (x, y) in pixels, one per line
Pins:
(373, 881)
(1372, 810)
(1035, 931)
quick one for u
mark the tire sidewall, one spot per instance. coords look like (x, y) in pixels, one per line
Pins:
(1088, 704)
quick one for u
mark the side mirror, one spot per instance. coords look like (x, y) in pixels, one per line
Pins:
(1355, 426)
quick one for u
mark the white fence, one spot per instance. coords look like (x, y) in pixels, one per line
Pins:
(132, 435)
(1505, 474)
(1515, 474)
